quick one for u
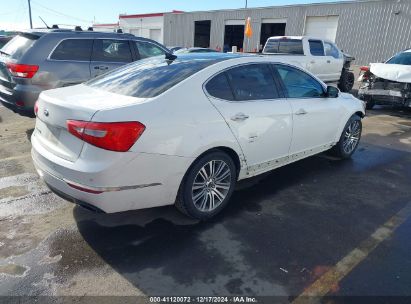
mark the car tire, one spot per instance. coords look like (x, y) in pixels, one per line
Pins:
(349, 139)
(346, 82)
(202, 186)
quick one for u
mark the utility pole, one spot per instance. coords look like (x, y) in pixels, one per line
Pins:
(246, 3)
(31, 22)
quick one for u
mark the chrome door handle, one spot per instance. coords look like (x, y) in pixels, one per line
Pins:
(239, 117)
(301, 112)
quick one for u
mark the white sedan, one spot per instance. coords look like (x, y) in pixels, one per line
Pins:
(184, 130)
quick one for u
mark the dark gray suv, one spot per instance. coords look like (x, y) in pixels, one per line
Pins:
(39, 60)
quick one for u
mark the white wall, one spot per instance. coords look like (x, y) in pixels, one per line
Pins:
(142, 26)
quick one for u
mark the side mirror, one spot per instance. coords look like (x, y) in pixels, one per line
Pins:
(332, 92)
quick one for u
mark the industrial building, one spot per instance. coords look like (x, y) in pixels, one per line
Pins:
(370, 30)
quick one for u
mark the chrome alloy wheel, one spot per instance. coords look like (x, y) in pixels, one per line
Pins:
(211, 185)
(352, 137)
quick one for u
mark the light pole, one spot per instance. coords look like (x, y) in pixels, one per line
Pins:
(31, 22)
(246, 3)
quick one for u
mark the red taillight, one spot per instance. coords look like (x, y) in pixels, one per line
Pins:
(36, 107)
(22, 70)
(113, 136)
(365, 68)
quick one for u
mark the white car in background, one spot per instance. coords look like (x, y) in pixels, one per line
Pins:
(184, 130)
(320, 56)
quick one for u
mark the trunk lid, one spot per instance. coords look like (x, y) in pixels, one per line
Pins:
(79, 102)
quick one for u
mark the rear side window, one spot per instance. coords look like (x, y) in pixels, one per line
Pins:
(219, 87)
(299, 84)
(284, 46)
(147, 49)
(316, 47)
(150, 77)
(73, 49)
(19, 45)
(109, 50)
(252, 82)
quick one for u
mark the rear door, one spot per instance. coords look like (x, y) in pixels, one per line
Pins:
(70, 62)
(258, 116)
(109, 54)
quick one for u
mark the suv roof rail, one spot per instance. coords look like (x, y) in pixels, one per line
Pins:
(78, 28)
(90, 29)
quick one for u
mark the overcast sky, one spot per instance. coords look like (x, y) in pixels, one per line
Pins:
(14, 13)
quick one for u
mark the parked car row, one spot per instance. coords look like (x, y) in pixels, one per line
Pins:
(178, 128)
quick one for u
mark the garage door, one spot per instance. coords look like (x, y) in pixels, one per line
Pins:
(321, 27)
(155, 34)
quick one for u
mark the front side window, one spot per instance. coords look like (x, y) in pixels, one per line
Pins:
(147, 49)
(299, 84)
(252, 82)
(331, 50)
(316, 47)
(73, 49)
(219, 87)
(109, 50)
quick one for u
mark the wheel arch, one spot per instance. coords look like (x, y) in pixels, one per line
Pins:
(228, 150)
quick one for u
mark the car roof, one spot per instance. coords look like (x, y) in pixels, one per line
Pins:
(68, 32)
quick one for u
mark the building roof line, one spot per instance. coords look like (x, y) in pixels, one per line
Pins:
(285, 6)
(149, 15)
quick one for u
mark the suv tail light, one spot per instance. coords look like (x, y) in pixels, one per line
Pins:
(113, 136)
(22, 70)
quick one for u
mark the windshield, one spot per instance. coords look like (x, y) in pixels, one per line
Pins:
(151, 77)
(18, 46)
(402, 58)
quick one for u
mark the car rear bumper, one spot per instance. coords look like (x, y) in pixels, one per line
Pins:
(20, 99)
(142, 181)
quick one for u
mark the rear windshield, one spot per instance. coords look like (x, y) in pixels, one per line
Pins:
(402, 58)
(149, 77)
(284, 46)
(18, 46)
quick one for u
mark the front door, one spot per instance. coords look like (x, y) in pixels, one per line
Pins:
(316, 118)
(258, 116)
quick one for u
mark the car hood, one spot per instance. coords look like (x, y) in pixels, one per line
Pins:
(393, 72)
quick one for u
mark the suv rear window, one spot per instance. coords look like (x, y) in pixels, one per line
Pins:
(19, 45)
(149, 77)
(73, 49)
(284, 46)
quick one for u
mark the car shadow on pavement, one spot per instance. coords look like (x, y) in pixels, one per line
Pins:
(277, 235)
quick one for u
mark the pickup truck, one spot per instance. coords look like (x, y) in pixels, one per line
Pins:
(319, 56)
